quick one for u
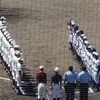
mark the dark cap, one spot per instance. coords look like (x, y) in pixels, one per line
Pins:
(93, 49)
(83, 68)
(70, 67)
(81, 32)
(69, 22)
(76, 27)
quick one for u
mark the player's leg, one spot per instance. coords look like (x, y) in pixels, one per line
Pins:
(58, 92)
(43, 91)
(39, 91)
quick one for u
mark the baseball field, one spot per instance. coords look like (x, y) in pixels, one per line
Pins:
(39, 27)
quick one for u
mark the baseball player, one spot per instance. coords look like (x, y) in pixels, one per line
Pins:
(71, 28)
(96, 71)
(41, 81)
(56, 83)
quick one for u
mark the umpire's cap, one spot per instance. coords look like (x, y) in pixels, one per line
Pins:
(83, 67)
(70, 67)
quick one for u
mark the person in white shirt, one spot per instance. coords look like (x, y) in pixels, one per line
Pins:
(96, 71)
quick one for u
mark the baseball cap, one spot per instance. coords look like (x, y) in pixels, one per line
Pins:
(13, 41)
(72, 22)
(76, 27)
(18, 53)
(93, 49)
(8, 37)
(10, 40)
(81, 31)
(41, 67)
(1, 27)
(96, 54)
(83, 68)
(16, 46)
(84, 37)
(68, 22)
(56, 69)
(4, 22)
(86, 42)
(88, 47)
(3, 30)
(70, 67)
(3, 18)
(20, 60)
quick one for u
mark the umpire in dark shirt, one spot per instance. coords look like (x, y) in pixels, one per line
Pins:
(56, 83)
(69, 83)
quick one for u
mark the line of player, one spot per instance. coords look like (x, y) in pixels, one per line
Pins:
(84, 53)
(10, 55)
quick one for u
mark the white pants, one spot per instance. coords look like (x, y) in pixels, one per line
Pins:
(41, 90)
(56, 91)
(96, 78)
(70, 38)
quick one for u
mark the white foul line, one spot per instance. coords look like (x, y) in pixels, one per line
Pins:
(91, 90)
(4, 78)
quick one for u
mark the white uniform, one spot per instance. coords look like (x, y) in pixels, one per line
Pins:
(19, 73)
(56, 91)
(96, 78)
(70, 39)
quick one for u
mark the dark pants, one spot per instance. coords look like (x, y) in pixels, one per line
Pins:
(69, 89)
(84, 91)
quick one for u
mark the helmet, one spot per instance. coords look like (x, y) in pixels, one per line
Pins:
(41, 67)
(56, 69)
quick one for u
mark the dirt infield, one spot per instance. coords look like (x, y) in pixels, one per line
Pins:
(39, 27)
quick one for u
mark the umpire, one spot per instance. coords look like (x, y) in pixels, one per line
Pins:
(69, 83)
(83, 80)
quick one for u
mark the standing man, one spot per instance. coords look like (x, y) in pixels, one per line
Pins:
(96, 71)
(56, 83)
(41, 80)
(69, 83)
(71, 25)
(83, 80)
